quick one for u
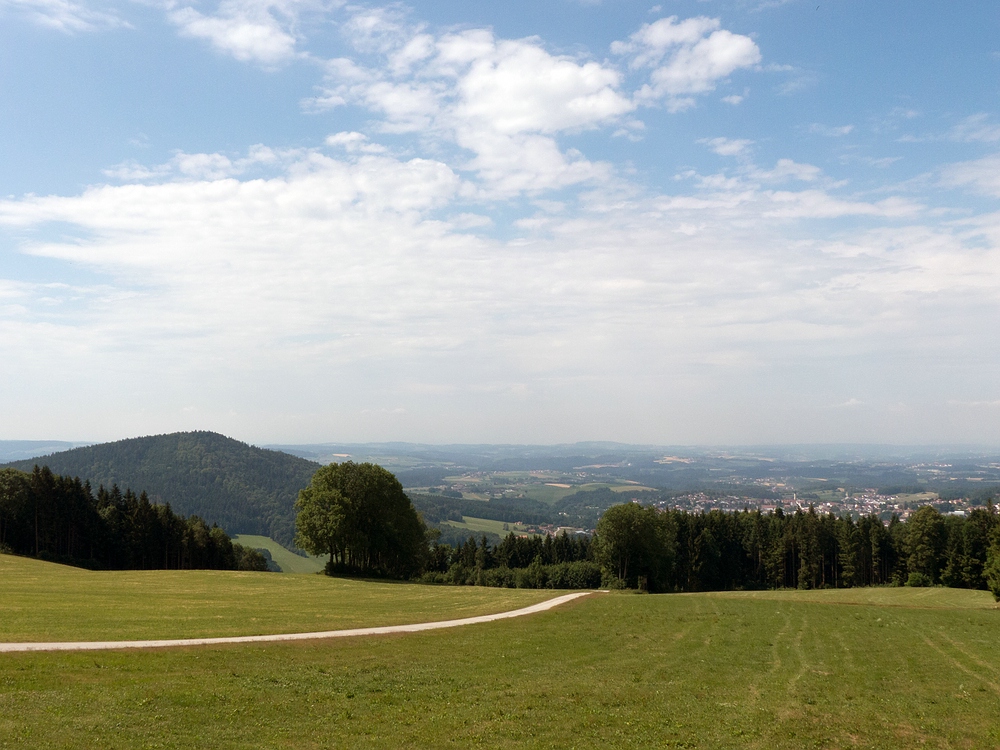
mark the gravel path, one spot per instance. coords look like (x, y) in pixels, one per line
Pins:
(105, 645)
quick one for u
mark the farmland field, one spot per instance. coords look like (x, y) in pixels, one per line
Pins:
(918, 498)
(552, 493)
(545, 487)
(480, 525)
(872, 668)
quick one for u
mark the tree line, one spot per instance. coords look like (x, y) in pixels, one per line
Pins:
(560, 562)
(673, 550)
(359, 515)
(61, 519)
(643, 547)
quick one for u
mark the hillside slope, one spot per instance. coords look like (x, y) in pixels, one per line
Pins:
(246, 490)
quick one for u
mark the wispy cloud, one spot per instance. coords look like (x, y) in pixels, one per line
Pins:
(727, 146)
(64, 15)
(184, 166)
(981, 175)
(977, 128)
(830, 131)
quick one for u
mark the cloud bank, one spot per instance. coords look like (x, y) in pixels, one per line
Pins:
(463, 263)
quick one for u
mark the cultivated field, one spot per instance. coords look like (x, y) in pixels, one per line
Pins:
(877, 668)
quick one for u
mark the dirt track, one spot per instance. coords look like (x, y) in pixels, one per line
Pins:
(106, 645)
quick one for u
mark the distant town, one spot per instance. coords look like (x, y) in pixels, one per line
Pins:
(866, 502)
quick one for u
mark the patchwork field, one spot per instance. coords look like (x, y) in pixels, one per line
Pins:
(545, 487)
(553, 493)
(877, 668)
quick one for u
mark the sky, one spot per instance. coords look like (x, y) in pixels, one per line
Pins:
(694, 222)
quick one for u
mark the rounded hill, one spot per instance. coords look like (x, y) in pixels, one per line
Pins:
(245, 489)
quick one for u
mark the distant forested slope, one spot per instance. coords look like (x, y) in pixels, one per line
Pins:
(246, 490)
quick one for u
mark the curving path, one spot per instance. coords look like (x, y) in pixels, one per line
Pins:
(105, 645)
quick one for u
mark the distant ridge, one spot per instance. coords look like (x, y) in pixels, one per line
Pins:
(20, 450)
(245, 489)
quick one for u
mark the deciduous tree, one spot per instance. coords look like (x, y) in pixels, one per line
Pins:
(360, 516)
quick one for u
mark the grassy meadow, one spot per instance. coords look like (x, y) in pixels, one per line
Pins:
(44, 602)
(287, 560)
(875, 668)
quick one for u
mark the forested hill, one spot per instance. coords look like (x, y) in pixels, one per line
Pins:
(246, 490)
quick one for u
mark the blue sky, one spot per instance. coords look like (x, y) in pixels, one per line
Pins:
(692, 222)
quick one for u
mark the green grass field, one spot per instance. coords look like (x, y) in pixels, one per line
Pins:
(535, 486)
(45, 602)
(288, 561)
(918, 498)
(876, 668)
(479, 525)
(828, 496)
(549, 494)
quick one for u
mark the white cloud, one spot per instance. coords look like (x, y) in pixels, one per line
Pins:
(376, 29)
(186, 166)
(830, 131)
(261, 31)
(786, 169)
(519, 87)
(649, 45)
(470, 221)
(697, 69)
(818, 204)
(727, 146)
(356, 285)
(64, 15)
(502, 100)
(133, 171)
(360, 280)
(976, 128)
(799, 80)
(410, 53)
(982, 175)
(872, 161)
(687, 57)
(750, 176)
(354, 142)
